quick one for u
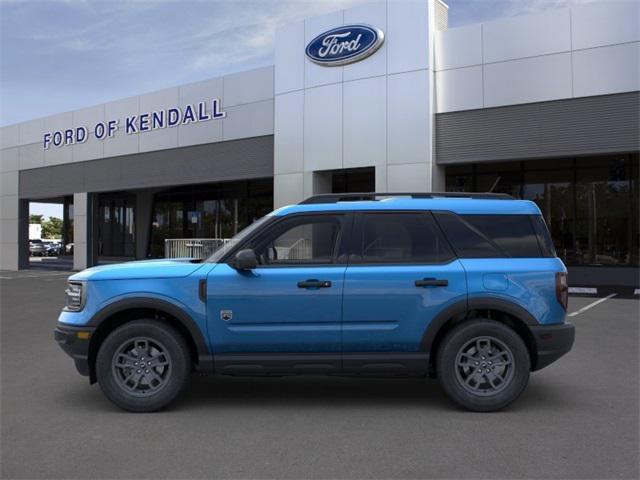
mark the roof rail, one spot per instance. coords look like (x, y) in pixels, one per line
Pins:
(354, 197)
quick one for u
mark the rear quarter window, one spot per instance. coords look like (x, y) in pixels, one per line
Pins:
(493, 236)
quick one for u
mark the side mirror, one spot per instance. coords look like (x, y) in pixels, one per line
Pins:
(245, 260)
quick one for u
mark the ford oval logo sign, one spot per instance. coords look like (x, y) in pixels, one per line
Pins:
(343, 45)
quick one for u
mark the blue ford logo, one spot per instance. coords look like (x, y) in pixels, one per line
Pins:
(343, 45)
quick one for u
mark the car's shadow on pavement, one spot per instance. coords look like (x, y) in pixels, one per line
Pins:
(315, 392)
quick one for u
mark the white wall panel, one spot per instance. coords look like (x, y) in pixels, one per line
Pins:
(606, 70)
(57, 155)
(605, 23)
(375, 15)
(289, 133)
(9, 256)
(8, 207)
(287, 189)
(527, 36)
(9, 160)
(246, 87)
(9, 183)
(323, 128)
(31, 156)
(528, 80)
(162, 138)
(459, 89)
(317, 74)
(249, 120)
(408, 117)
(201, 132)
(414, 177)
(8, 231)
(91, 149)
(290, 58)
(87, 117)
(60, 121)
(408, 36)
(10, 136)
(121, 144)
(458, 47)
(32, 132)
(365, 122)
(201, 91)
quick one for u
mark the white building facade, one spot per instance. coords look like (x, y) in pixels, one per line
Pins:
(542, 106)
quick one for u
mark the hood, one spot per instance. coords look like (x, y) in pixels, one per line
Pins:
(163, 268)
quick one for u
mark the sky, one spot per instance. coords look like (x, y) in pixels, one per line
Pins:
(61, 55)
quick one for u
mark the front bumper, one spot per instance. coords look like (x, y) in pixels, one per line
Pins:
(552, 342)
(75, 343)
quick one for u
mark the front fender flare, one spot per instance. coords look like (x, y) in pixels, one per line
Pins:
(202, 350)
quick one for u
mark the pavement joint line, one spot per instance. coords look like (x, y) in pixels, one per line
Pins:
(591, 305)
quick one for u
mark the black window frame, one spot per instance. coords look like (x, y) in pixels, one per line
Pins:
(280, 224)
(355, 247)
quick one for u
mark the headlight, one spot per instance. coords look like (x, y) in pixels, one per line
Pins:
(75, 297)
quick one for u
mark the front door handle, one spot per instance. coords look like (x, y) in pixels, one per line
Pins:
(313, 283)
(432, 282)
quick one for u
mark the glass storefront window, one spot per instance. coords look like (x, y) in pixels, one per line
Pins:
(590, 204)
(116, 225)
(552, 191)
(603, 211)
(208, 211)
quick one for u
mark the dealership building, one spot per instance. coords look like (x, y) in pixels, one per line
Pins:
(381, 97)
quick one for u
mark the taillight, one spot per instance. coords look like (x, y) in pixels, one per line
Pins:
(562, 289)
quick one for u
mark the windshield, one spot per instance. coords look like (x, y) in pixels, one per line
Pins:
(241, 235)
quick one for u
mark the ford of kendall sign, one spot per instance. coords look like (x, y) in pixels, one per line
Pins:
(139, 123)
(343, 45)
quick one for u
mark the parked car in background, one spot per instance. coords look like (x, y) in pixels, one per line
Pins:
(463, 287)
(37, 248)
(53, 248)
(68, 248)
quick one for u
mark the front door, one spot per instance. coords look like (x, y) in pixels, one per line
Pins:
(290, 303)
(402, 274)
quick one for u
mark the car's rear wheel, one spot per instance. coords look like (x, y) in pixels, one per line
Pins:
(483, 365)
(143, 365)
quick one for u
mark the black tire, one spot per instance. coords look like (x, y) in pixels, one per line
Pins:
(121, 365)
(483, 365)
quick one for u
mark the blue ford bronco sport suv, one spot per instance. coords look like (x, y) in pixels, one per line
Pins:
(463, 287)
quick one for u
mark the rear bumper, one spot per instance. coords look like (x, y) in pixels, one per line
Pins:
(552, 342)
(74, 345)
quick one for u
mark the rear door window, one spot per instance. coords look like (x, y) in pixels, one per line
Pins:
(406, 237)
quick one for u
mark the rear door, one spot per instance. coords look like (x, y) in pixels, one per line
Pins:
(401, 275)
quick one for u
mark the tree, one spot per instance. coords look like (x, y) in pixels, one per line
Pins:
(52, 228)
(36, 219)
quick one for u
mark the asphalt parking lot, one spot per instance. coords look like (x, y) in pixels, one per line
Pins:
(577, 419)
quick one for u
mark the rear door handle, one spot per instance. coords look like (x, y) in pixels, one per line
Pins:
(313, 283)
(432, 282)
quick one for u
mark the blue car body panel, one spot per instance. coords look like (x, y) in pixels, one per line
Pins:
(527, 282)
(174, 282)
(270, 313)
(383, 310)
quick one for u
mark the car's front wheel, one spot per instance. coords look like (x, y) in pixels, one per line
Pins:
(483, 365)
(143, 365)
